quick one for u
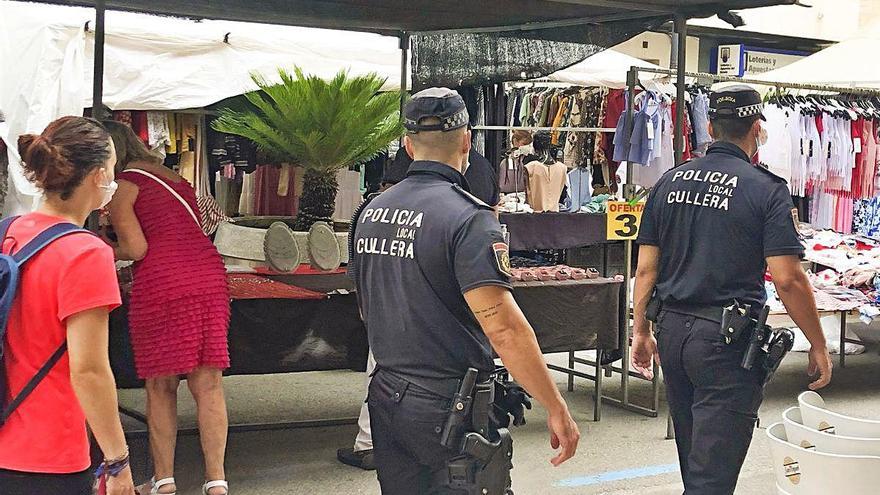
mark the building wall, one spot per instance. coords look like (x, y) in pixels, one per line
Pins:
(833, 20)
(657, 48)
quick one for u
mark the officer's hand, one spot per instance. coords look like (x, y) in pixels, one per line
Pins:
(563, 433)
(820, 363)
(644, 352)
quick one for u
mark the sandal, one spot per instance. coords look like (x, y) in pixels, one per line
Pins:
(215, 484)
(154, 486)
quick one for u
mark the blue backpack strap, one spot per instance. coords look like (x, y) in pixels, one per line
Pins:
(4, 228)
(45, 238)
(21, 257)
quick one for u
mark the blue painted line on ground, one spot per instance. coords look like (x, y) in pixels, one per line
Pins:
(626, 474)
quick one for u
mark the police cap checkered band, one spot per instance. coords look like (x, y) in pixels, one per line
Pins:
(738, 101)
(443, 104)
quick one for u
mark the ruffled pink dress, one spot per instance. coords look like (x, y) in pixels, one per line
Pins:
(179, 309)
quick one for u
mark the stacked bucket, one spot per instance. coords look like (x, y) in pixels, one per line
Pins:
(817, 451)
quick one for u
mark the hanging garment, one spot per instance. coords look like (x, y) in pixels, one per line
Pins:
(267, 182)
(545, 185)
(247, 201)
(579, 188)
(159, 133)
(349, 197)
(512, 175)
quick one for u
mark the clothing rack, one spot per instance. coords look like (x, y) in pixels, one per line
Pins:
(540, 84)
(629, 189)
(551, 129)
(779, 85)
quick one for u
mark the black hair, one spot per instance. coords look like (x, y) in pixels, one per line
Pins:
(732, 129)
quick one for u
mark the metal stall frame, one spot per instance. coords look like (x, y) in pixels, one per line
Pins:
(627, 10)
(629, 188)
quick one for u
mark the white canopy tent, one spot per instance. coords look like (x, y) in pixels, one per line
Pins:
(153, 63)
(607, 68)
(167, 63)
(845, 64)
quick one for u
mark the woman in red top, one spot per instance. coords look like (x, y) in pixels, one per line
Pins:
(179, 310)
(65, 293)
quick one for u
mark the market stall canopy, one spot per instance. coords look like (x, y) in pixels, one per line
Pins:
(607, 68)
(395, 16)
(459, 43)
(843, 64)
(154, 63)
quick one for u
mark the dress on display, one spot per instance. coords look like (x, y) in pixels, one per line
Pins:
(545, 185)
(179, 309)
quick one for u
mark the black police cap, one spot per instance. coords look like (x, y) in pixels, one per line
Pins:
(736, 102)
(440, 103)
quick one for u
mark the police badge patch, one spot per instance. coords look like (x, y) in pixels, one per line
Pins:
(502, 257)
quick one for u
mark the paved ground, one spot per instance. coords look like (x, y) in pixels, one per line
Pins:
(623, 454)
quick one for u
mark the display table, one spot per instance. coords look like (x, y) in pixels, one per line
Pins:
(285, 335)
(554, 230)
(572, 315)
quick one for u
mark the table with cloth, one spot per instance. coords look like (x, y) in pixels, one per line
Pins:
(309, 321)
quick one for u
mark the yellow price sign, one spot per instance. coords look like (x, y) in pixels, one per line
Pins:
(624, 220)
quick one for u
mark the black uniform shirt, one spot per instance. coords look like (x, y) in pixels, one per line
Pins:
(715, 220)
(418, 247)
(482, 179)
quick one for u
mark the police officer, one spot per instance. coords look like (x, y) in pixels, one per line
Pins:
(710, 229)
(432, 276)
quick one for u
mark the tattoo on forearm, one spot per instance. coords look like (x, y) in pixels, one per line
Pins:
(488, 312)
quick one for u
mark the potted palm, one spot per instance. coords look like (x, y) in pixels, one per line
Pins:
(320, 125)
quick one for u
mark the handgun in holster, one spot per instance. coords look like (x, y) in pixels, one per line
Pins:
(757, 350)
(485, 459)
(780, 344)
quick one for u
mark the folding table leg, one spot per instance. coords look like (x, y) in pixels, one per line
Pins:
(842, 339)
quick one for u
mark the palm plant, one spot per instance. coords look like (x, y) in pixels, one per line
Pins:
(321, 125)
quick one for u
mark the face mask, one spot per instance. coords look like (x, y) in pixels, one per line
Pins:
(760, 139)
(109, 191)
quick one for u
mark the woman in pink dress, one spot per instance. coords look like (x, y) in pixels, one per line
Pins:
(179, 308)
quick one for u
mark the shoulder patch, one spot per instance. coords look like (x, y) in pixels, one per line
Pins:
(502, 257)
(470, 197)
(763, 168)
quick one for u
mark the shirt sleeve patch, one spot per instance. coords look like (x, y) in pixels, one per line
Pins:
(502, 257)
(795, 217)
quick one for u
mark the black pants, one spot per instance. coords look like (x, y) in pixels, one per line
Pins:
(407, 422)
(18, 483)
(713, 401)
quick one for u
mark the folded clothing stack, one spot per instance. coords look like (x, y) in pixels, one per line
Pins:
(558, 272)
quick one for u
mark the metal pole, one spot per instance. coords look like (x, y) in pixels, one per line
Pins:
(404, 67)
(681, 32)
(632, 79)
(98, 85)
(92, 223)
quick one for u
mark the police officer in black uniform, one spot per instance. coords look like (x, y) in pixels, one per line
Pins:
(710, 229)
(432, 275)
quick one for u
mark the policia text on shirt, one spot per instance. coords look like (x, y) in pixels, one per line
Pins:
(430, 265)
(710, 229)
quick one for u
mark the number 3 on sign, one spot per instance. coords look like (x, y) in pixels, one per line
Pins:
(624, 220)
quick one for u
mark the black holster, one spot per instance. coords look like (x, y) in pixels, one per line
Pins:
(486, 451)
(655, 306)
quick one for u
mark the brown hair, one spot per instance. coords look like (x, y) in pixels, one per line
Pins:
(521, 136)
(129, 147)
(60, 158)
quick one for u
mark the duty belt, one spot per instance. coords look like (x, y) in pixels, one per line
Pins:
(703, 312)
(443, 387)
